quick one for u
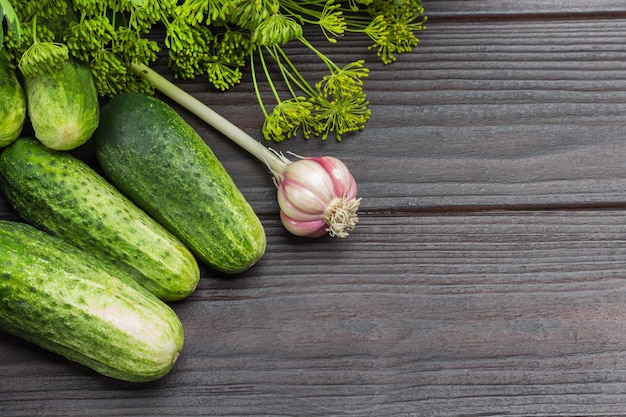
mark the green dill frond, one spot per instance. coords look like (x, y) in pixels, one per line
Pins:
(207, 11)
(109, 73)
(228, 53)
(340, 114)
(222, 75)
(377, 30)
(132, 47)
(332, 21)
(249, 14)
(217, 39)
(88, 36)
(188, 47)
(356, 5)
(327, 14)
(277, 29)
(38, 52)
(112, 76)
(195, 11)
(156, 10)
(91, 7)
(233, 46)
(344, 81)
(50, 9)
(42, 58)
(286, 118)
(401, 21)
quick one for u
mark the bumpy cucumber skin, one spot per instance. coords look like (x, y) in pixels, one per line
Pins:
(12, 105)
(161, 163)
(63, 106)
(62, 299)
(57, 192)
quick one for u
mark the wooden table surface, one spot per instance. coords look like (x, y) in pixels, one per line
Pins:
(487, 275)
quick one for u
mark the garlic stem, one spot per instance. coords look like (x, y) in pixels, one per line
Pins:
(274, 161)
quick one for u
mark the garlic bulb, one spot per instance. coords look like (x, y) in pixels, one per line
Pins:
(316, 196)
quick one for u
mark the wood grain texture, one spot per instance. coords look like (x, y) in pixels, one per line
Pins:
(487, 274)
(529, 9)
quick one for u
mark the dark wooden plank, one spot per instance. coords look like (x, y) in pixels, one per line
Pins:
(441, 303)
(516, 313)
(498, 113)
(481, 9)
(481, 114)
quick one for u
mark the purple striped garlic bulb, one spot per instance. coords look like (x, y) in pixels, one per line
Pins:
(317, 195)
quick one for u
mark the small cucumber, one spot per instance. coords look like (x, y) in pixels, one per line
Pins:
(161, 163)
(64, 300)
(63, 106)
(12, 104)
(57, 192)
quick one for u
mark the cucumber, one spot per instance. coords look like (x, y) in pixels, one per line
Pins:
(60, 194)
(161, 163)
(64, 300)
(63, 106)
(12, 104)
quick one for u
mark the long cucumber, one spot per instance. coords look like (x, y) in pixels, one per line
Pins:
(67, 301)
(161, 163)
(59, 193)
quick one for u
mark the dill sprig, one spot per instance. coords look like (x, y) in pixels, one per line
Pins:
(219, 40)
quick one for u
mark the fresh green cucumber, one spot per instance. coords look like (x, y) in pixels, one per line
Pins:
(12, 104)
(57, 192)
(66, 301)
(63, 106)
(161, 163)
